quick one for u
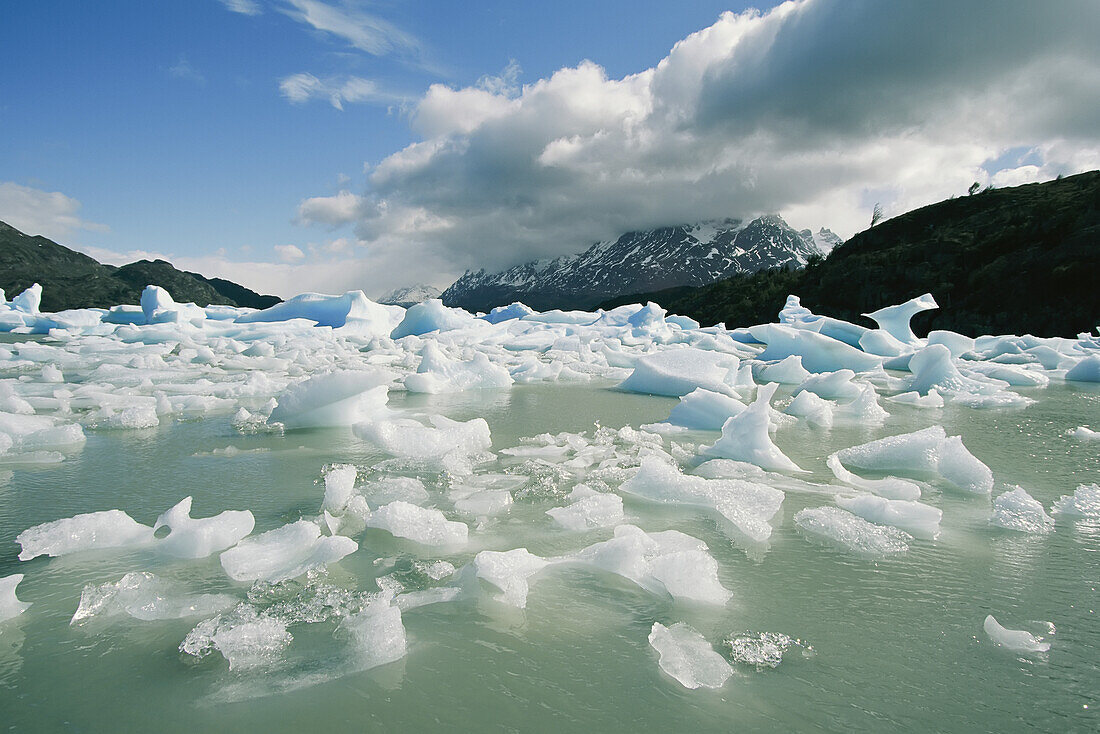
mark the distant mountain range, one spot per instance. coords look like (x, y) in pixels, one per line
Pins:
(684, 255)
(410, 295)
(1020, 260)
(72, 279)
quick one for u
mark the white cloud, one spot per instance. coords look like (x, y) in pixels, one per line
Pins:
(301, 88)
(816, 109)
(349, 22)
(289, 253)
(244, 7)
(343, 208)
(183, 69)
(48, 213)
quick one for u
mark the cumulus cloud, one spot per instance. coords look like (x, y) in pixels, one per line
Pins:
(48, 213)
(333, 211)
(289, 253)
(244, 7)
(350, 23)
(301, 88)
(816, 109)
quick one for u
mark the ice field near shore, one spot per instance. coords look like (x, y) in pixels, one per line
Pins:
(336, 513)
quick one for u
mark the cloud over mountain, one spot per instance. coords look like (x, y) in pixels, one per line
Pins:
(815, 109)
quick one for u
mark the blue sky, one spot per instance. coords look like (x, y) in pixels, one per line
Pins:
(209, 136)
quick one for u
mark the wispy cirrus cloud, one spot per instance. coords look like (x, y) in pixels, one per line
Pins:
(244, 7)
(301, 88)
(349, 22)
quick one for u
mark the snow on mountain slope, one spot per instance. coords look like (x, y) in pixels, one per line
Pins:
(689, 254)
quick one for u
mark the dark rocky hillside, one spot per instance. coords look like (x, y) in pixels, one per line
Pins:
(1016, 260)
(71, 279)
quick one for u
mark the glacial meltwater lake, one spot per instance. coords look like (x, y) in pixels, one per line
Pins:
(876, 644)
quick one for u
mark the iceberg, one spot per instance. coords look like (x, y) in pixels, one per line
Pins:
(146, 597)
(929, 451)
(419, 524)
(509, 571)
(703, 409)
(285, 553)
(677, 372)
(819, 353)
(745, 437)
(10, 606)
(686, 656)
(1086, 370)
(1015, 640)
(1018, 510)
(333, 399)
(191, 538)
(334, 311)
(1084, 502)
(588, 510)
(842, 528)
(90, 531)
(917, 519)
(377, 634)
(894, 320)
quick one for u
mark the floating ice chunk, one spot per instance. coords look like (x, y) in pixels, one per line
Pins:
(895, 319)
(831, 385)
(377, 634)
(333, 399)
(438, 373)
(932, 400)
(52, 373)
(749, 506)
(1018, 510)
(926, 451)
(864, 410)
(339, 487)
(351, 308)
(703, 409)
(509, 571)
(384, 491)
(144, 596)
(685, 655)
(668, 561)
(820, 353)
(1015, 640)
(852, 532)
(133, 418)
(432, 315)
(796, 315)
(956, 343)
(515, 310)
(285, 553)
(91, 531)
(1014, 376)
(10, 606)
(932, 367)
(244, 637)
(409, 439)
(198, 538)
(588, 511)
(916, 518)
(418, 524)
(1084, 433)
(890, 487)
(745, 437)
(787, 371)
(482, 503)
(763, 650)
(155, 299)
(883, 344)
(813, 409)
(1086, 370)
(1084, 502)
(677, 372)
(29, 300)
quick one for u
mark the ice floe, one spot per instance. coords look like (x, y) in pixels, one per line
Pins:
(1015, 640)
(686, 655)
(10, 606)
(285, 553)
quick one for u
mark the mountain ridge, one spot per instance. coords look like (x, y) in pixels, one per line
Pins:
(684, 254)
(71, 279)
(1014, 260)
